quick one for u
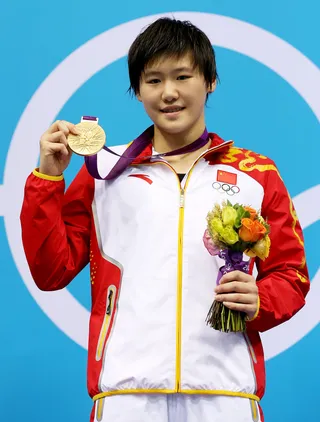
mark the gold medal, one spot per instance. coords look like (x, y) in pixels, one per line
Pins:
(91, 140)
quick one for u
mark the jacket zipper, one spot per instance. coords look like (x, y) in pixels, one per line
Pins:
(179, 289)
(180, 255)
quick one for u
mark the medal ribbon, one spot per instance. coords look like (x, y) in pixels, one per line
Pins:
(134, 150)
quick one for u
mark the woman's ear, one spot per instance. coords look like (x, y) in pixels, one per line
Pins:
(212, 86)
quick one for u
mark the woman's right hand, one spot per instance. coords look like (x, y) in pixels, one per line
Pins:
(55, 154)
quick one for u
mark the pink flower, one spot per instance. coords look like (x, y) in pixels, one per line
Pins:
(208, 243)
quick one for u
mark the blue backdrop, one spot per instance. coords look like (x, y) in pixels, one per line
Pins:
(66, 59)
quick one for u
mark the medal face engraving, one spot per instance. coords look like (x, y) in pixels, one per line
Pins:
(91, 140)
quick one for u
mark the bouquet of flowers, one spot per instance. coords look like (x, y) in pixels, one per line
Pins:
(234, 230)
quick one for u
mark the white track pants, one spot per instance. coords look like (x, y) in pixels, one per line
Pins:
(175, 408)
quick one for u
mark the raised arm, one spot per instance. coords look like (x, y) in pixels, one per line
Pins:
(56, 225)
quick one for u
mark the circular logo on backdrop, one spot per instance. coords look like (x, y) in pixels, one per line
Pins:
(61, 306)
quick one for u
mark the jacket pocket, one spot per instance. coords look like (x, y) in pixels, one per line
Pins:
(106, 325)
(250, 349)
(253, 361)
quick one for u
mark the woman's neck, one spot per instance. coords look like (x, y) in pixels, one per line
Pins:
(165, 142)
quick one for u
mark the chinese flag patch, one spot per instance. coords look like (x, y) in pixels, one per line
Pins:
(226, 177)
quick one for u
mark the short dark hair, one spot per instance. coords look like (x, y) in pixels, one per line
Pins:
(171, 38)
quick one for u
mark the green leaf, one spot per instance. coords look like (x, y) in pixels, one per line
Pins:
(237, 223)
(240, 211)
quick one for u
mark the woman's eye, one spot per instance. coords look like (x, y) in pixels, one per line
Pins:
(183, 77)
(154, 81)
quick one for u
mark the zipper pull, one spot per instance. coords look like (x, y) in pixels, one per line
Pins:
(182, 198)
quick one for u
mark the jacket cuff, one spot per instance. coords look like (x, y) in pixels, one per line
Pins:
(46, 176)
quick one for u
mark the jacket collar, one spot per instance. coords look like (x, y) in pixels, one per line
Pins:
(216, 141)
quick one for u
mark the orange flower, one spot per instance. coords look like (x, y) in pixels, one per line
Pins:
(251, 230)
(252, 211)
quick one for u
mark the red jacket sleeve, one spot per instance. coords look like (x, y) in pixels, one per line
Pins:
(56, 228)
(283, 279)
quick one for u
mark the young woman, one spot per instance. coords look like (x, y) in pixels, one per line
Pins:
(151, 354)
